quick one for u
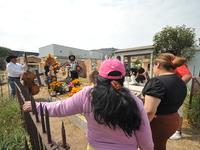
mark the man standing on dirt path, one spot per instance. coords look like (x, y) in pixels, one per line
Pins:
(15, 70)
(71, 66)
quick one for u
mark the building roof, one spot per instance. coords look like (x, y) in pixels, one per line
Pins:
(136, 48)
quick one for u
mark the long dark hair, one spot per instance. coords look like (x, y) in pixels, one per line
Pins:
(115, 109)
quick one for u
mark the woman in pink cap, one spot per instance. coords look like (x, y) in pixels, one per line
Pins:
(116, 118)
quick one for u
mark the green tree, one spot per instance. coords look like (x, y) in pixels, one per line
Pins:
(5, 52)
(180, 39)
(135, 63)
(71, 53)
(78, 56)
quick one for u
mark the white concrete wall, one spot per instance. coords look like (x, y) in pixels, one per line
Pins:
(46, 50)
(194, 64)
(96, 55)
(66, 51)
(59, 50)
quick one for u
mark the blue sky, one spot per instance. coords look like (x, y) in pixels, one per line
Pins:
(27, 25)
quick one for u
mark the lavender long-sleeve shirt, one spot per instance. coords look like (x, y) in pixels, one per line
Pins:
(99, 136)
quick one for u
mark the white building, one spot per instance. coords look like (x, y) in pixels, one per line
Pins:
(63, 51)
(194, 63)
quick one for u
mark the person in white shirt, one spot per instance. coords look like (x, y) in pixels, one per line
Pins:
(15, 70)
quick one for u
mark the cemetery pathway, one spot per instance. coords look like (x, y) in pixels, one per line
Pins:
(77, 138)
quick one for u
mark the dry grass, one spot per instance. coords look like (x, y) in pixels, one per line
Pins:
(4, 90)
(190, 140)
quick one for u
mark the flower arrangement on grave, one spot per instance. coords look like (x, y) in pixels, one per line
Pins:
(70, 86)
(50, 61)
(76, 82)
(74, 87)
(92, 83)
(56, 86)
(74, 90)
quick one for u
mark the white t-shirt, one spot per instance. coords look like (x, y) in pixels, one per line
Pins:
(15, 70)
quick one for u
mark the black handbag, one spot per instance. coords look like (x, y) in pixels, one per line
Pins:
(68, 79)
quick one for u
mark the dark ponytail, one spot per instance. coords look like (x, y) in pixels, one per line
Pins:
(115, 109)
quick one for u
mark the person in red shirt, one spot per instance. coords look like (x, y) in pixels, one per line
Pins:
(184, 73)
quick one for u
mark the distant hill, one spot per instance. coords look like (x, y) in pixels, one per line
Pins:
(109, 52)
(106, 49)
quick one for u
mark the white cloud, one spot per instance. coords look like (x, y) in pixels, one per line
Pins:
(91, 24)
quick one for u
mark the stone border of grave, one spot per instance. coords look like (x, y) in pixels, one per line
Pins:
(78, 119)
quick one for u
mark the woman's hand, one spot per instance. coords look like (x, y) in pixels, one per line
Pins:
(27, 106)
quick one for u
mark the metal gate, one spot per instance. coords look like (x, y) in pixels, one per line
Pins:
(38, 126)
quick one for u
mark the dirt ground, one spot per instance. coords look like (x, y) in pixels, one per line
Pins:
(77, 138)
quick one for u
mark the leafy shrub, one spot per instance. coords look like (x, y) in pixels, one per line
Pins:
(193, 111)
(12, 133)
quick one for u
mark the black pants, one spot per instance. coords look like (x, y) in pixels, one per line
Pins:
(140, 78)
(74, 75)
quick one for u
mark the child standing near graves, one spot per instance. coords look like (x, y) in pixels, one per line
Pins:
(107, 107)
(93, 77)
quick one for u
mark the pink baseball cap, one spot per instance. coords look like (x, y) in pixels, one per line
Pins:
(110, 65)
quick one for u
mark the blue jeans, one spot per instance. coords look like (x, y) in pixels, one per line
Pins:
(11, 81)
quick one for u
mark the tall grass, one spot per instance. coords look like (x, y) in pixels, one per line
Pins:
(12, 133)
(193, 111)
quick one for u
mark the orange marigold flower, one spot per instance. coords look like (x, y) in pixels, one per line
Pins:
(92, 83)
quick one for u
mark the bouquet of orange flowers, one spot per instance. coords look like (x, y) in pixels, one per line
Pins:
(92, 83)
(74, 90)
(76, 82)
(56, 86)
(51, 61)
(74, 86)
